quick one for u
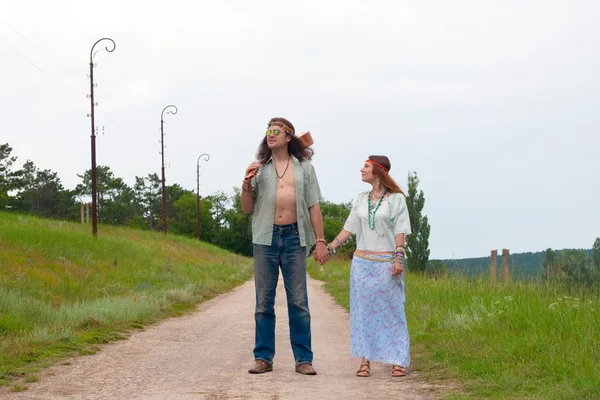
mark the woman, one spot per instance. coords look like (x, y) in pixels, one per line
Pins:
(379, 219)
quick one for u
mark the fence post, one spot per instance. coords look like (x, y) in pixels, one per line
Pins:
(82, 214)
(506, 264)
(87, 213)
(493, 264)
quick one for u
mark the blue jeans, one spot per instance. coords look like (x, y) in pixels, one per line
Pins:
(285, 252)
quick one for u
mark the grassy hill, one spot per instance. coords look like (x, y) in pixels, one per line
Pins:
(62, 292)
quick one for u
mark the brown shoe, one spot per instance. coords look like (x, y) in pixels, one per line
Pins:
(306, 369)
(260, 367)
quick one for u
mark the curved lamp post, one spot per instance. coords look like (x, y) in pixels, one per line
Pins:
(94, 194)
(206, 158)
(162, 152)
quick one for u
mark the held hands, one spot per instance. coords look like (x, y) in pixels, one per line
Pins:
(321, 254)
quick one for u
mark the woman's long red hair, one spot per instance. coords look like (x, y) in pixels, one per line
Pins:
(384, 177)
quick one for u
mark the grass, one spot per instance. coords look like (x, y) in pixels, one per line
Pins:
(519, 340)
(64, 293)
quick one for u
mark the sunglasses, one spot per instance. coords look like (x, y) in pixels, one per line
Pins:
(273, 132)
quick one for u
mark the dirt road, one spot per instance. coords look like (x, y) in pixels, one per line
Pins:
(205, 355)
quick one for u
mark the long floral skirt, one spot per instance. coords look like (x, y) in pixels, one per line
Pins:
(378, 329)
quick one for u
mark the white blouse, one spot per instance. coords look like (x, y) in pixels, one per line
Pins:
(391, 218)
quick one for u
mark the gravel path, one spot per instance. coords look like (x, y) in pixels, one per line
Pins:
(206, 355)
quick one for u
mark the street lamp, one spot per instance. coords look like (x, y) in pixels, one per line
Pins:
(94, 194)
(162, 152)
(206, 158)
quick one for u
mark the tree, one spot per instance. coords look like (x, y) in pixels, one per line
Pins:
(212, 217)
(41, 192)
(549, 258)
(236, 233)
(183, 219)
(26, 186)
(596, 255)
(114, 198)
(50, 199)
(334, 217)
(574, 265)
(220, 205)
(596, 261)
(417, 244)
(148, 200)
(6, 162)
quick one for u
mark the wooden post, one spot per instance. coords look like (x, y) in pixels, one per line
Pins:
(493, 264)
(87, 213)
(82, 214)
(506, 264)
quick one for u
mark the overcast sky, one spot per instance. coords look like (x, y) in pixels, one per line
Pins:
(493, 103)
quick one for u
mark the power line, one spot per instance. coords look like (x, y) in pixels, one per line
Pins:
(36, 66)
(35, 47)
(121, 128)
(58, 80)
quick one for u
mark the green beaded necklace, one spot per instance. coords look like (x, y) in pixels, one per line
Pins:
(372, 218)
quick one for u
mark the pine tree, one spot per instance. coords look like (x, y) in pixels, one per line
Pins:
(417, 249)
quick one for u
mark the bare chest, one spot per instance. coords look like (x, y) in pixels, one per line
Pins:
(286, 188)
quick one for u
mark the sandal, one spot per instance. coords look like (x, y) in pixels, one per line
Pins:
(364, 370)
(398, 371)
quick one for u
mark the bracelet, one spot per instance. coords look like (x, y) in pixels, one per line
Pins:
(322, 241)
(330, 250)
(399, 258)
(339, 242)
(246, 186)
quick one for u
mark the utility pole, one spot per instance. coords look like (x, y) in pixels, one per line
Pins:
(93, 105)
(162, 153)
(206, 158)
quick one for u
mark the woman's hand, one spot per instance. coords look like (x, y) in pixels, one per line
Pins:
(397, 268)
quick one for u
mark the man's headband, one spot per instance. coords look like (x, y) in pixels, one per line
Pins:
(379, 165)
(283, 126)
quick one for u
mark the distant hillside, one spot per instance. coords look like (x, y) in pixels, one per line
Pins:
(522, 265)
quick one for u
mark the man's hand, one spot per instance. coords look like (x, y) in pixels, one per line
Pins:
(251, 170)
(321, 254)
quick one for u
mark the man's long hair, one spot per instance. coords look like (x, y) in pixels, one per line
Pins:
(295, 146)
(384, 177)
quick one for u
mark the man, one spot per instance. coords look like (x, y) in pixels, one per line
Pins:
(282, 191)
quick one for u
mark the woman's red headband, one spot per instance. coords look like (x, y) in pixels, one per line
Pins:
(379, 165)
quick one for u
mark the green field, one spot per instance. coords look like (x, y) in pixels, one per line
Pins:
(514, 341)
